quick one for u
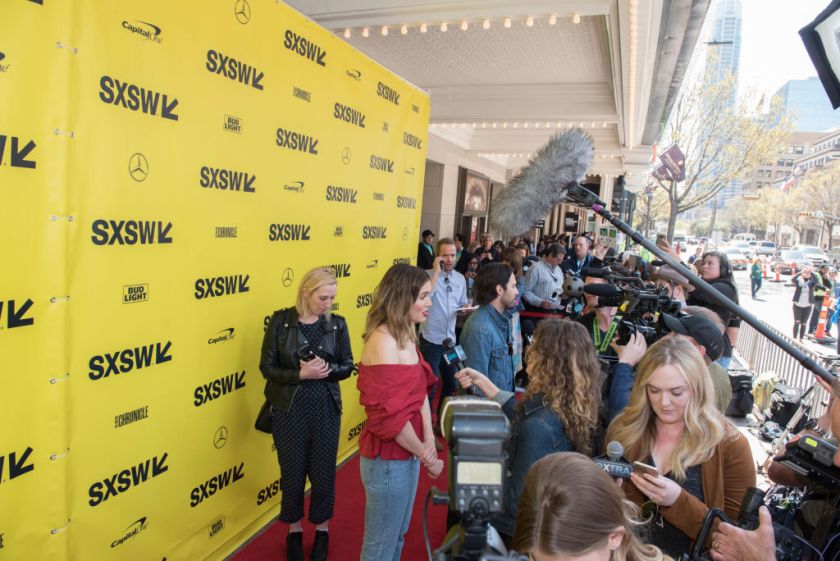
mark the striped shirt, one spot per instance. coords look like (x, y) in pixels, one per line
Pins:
(542, 282)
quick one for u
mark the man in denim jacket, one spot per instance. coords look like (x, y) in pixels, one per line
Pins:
(486, 337)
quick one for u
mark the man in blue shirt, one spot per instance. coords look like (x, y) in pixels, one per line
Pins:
(449, 293)
(487, 338)
(579, 257)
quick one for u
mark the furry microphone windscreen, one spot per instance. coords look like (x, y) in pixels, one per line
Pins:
(541, 184)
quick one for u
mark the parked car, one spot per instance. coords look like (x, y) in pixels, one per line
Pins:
(834, 256)
(737, 260)
(813, 253)
(765, 247)
(742, 247)
(787, 258)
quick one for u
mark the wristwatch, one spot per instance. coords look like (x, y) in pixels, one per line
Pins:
(813, 426)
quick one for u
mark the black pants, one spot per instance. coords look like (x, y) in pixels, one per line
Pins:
(306, 439)
(800, 320)
(815, 315)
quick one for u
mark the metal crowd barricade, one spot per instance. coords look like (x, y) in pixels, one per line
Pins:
(761, 355)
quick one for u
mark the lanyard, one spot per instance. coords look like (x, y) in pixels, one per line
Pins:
(596, 333)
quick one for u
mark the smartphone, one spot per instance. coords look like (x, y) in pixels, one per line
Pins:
(643, 468)
(305, 353)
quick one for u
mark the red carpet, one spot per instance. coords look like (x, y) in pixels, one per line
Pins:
(347, 525)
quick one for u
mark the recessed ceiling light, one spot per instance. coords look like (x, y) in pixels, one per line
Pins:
(486, 24)
(507, 22)
(530, 21)
(347, 33)
(365, 32)
(576, 18)
(404, 29)
(465, 25)
(444, 27)
(423, 28)
(552, 19)
(384, 30)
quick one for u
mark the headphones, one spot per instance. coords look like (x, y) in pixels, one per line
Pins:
(725, 267)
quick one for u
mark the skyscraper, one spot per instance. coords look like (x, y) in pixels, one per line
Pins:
(809, 104)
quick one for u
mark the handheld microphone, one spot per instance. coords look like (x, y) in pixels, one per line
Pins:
(613, 462)
(546, 181)
(454, 356)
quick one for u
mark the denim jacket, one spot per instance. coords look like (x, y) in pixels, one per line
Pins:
(536, 431)
(486, 340)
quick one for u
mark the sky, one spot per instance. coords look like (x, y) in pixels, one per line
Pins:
(771, 51)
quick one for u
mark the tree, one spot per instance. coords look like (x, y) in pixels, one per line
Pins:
(650, 207)
(819, 192)
(722, 142)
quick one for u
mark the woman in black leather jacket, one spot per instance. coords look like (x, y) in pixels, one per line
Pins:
(305, 353)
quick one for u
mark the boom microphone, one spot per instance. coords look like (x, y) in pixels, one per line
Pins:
(542, 184)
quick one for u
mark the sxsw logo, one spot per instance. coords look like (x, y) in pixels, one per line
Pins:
(137, 98)
(205, 490)
(288, 232)
(125, 360)
(134, 529)
(412, 141)
(16, 316)
(295, 186)
(270, 490)
(341, 194)
(402, 261)
(232, 124)
(340, 270)
(227, 231)
(293, 140)
(349, 115)
(387, 93)
(134, 293)
(222, 336)
(364, 300)
(406, 202)
(146, 30)
(374, 232)
(355, 431)
(17, 155)
(218, 388)
(227, 180)
(127, 478)
(17, 465)
(382, 164)
(304, 47)
(130, 232)
(214, 287)
(301, 94)
(236, 70)
(379, 196)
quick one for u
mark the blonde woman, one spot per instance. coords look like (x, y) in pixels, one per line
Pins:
(305, 353)
(672, 424)
(393, 384)
(571, 509)
(559, 411)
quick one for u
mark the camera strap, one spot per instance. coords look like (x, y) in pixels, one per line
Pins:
(596, 333)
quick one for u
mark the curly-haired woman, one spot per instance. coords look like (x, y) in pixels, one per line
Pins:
(559, 411)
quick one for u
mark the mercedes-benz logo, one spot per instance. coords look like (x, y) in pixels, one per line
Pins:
(138, 167)
(221, 437)
(288, 277)
(405, 233)
(346, 155)
(242, 10)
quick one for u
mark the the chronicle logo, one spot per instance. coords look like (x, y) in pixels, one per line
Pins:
(227, 179)
(213, 287)
(294, 140)
(402, 261)
(125, 360)
(146, 30)
(232, 124)
(374, 232)
(220, 438)
(135, 293)
(227, 231)
(382, 164)
(217, 526)
(15, 317)
(304, 47)
(216, 483)
(341, 194)
(138, 167)
(132, 416)
(130, 232)
(219, 387)
(406, 202)
(17, 465)
(364, 300)
(242, 11)
(387, 93)
(413, 141)
(270, 490)
(301, 94)
(236, 70)
(379, 196)
(295, 186)
(349, 115)
(340, 270)
(127, 478)
(18, 155)
(222, 336)
(137, 98)
(288, 232)
(134, 529)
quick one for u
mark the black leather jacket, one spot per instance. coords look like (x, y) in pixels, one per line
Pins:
(279, 365)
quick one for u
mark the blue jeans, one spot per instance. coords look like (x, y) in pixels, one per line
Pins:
(390, 487)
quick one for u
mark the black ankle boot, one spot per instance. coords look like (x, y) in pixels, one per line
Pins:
(294, 546)
(320, 546)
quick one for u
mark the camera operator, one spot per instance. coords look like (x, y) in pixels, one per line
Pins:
(671, 423)
(558, 412)
(715, 270)
(570, 509)
(730, 543)
(677, 285)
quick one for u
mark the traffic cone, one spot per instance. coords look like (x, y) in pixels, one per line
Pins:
(778, 268)
(764, 269)
(793, 269)
(820, 334)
